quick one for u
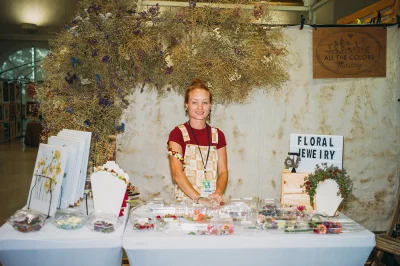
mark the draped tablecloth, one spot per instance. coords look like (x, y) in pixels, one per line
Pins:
(248, 248)
(52, 246)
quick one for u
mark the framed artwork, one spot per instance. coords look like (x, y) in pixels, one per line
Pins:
(6, 92)
(47, 178)
(32, 110)
(18, 128)
(1, 112)
(12, 130)
(11, 87)
(6, 131)
(12, 111)
(6, 112)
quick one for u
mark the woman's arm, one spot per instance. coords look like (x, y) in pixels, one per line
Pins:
(222, 180)
(177, 173)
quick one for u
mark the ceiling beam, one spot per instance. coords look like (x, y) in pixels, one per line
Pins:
(27, 37)
(272, 6)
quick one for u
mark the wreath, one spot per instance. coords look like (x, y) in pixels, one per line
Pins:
(323, 173)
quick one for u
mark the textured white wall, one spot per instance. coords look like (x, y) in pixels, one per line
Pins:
(365, 111)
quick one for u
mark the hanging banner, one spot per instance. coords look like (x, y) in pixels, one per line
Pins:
(353, 52)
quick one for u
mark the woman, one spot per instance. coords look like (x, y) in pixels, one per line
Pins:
(198, 151)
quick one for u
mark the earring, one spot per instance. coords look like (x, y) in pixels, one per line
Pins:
(186, 110)
(209, 114)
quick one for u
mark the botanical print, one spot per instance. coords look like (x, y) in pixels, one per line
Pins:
(46, 172)
(47, 178)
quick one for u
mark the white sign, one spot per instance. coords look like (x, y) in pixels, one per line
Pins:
(317, 149)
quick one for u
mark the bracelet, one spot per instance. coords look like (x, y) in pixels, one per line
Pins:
(177, 155)
(197, 201)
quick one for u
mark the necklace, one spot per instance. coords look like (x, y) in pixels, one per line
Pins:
(198, 146)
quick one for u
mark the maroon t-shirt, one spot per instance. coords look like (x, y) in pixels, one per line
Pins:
(201, 136)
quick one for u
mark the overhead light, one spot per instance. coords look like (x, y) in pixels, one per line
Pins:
(29, 27)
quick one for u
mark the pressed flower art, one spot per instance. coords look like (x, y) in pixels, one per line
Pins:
(47, 178)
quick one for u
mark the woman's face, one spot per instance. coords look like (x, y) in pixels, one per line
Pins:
(199, 105)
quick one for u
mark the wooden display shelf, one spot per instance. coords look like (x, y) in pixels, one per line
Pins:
(292, 193)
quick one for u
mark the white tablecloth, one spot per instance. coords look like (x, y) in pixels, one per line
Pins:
(52, 246)
(244, 248)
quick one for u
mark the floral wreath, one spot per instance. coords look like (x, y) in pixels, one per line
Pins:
(114, 173)
(323, 173)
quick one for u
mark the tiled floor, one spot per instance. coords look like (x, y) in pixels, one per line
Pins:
(16, 168)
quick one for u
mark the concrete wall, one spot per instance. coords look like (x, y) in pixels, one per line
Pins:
(365, 111)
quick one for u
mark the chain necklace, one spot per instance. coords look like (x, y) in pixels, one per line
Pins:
(198, 146)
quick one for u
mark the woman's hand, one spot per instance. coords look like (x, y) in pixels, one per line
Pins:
(215, 200)
(204, 201)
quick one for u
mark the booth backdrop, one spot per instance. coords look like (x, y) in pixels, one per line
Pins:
(365, 111)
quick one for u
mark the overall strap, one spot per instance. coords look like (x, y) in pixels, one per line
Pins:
(185, 133)
(214, 135)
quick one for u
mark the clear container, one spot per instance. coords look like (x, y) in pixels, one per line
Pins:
(139, 223)
(27, 221)
(197, 214)
(236, 211)
(287, 213)
(156, 203)
(211, 228)
(326, 227)
(103, 222)
(69, 219)
(268, 208)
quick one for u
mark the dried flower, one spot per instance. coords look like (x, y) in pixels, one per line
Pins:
(69, 110)
(87, 122)
(105, 59)
(121, 128)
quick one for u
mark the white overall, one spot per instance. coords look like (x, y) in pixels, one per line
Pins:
(203, 180)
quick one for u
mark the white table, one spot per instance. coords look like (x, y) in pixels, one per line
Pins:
(52, 246)
(256, 248)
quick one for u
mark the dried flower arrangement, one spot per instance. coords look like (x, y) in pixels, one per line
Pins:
(114, 47)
